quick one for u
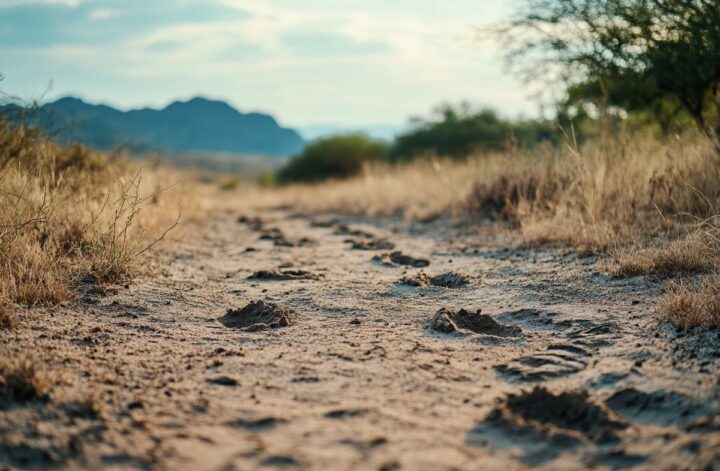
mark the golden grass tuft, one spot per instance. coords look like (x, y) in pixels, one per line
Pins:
(694, 254)
(419, 190)
(67, 213)
(686, 307)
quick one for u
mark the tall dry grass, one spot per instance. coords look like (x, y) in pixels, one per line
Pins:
(650, 206)
(71, 216)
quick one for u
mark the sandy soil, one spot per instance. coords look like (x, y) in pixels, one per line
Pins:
(361, 357)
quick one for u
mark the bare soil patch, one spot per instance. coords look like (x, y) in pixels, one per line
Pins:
(348, 373)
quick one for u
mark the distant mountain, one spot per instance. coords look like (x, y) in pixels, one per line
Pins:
(196, 125)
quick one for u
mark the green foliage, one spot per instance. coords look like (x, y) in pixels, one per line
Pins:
(229, 184)
(648, 56)
(267, 179)
(460, 131)
(332, 157)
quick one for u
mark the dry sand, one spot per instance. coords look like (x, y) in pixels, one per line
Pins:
(347, 364)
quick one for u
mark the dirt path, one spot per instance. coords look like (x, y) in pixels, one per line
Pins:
(570, 370)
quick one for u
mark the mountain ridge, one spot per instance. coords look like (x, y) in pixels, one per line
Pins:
(198, 124)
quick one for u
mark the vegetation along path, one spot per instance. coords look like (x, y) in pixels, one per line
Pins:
(339, 343)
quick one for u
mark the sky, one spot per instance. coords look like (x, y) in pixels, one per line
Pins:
(314, 64)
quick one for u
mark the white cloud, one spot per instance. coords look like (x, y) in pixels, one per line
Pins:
(15, 3)
(432, 57)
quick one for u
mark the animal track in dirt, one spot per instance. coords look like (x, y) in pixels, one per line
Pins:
(398, 258)
(558, 360)
(536, 318)
(324, 223)
(275, 234)
(223, 381)
(340, 414)
(542, 424)
(257, 425)
(541, 319)
(658, 407)
(370, 244)
(276, 275)
(343, 229)
(279, 238)
(447, 321)
(583, 332)
(566, 410)
(444, 280)
(258, 315)
(402, 259)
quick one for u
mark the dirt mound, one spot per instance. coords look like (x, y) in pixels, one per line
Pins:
(258, 315)
(283, 275)
(570, 411)
(419, 279)
(445, 280)
(370, 244)
(450, 280)
(446, 321)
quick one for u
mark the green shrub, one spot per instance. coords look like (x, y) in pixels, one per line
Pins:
(332, 157)
(267, 179)
(460, 131)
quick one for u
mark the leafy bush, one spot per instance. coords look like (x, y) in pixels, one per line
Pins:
(332, 157)
(460, 131)
(654, 55)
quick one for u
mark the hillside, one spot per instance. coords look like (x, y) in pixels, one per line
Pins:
(195, 125)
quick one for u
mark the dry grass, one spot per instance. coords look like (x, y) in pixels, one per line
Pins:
(686, 307)
(697, 253)
(68, 214)
(419, 190)
(601, 195)
(650, 205)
